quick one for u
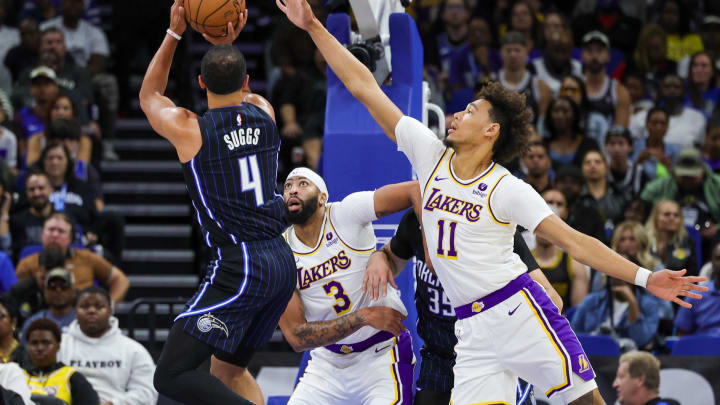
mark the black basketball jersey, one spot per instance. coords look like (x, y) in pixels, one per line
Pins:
(232, 178)
(436, 315)
(605, 102)
(560, 274)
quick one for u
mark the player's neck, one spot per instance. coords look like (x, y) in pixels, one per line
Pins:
(227, 100)
(309, 232)
(469, 162)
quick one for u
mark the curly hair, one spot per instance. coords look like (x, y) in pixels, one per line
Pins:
(508, 109)
(44, 324)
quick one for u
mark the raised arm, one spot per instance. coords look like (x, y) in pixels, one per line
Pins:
(396, 197)
(354, 75)
(304, 335)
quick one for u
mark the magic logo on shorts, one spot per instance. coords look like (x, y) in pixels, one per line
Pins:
(452, 205)
(330, 266)
(207, 322)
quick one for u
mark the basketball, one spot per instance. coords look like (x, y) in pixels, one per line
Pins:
(212, 16)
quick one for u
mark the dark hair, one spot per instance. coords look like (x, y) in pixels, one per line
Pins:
(577, 128)
(70, 178)
(223, 69)
(696, 94)
(563, 18)
(540, 144)
(9, 305)
(618, 131)
(51, 258)
(63, 217)
(683, 17)
(44, 324)
(656, 110)
(73, 106)
(534, 28)
(508, 109)
(63, 129)
(93, 289)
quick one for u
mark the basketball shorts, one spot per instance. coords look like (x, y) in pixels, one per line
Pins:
(381, 374)
(517, 331)
(244, 293)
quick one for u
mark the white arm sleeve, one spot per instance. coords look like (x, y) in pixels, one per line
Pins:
(515, 201)
(422, 148)
(352, 219)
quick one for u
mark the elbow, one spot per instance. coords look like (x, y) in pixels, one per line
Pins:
(295, 344)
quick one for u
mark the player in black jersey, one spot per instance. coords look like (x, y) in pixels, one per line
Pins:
(436, 316)
(229, 159)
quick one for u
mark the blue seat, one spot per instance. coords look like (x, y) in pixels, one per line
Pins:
(698, 345)
(697, 238)
(599, 345)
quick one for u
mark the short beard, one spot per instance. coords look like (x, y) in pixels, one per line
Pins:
(307, 210)
(39, 207)
(595, 68)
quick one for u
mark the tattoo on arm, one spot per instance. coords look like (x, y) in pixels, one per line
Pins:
(321, 333)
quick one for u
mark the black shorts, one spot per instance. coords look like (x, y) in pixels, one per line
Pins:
(243, 295)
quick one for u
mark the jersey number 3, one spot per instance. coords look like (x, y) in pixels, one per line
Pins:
(250, 177)
(342, 302)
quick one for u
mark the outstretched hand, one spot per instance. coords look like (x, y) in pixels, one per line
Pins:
(671, 285)
(297, 11)
(177, 17)
(231, 33)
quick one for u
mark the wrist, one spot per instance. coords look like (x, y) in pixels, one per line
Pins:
(362, 315)
(642, 275)
(173, 32)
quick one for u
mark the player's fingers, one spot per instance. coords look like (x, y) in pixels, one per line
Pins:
(383, 282)
(391, 280)
(694, 279)
(691, 295)
(698, 287)
(365, 283)
(281, 6)
(681, 302)
(375, 288)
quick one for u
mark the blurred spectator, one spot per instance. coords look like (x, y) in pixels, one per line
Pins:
(710, 35)
(703, 92)
(650, 58)
(89, 48)
(539, 167)
(10, 348)
(8, 141)
(711, 147)
(43, 10)
(623, 175)
(95, 339)
(567, 276)
(523, 20)
(26, 225)
(5, 235)
(59, 293)
(594, 124)
(87, 267)
(49, 378)
(694, 187)
(669, 240)
(675, 20)
(623, 311)
(478, 60)
(557, 63)
(9, 36)
(686, 126)
(68, 132)
(566, 142)
(570, 181)
(455, 17)
(313, 125)
(615, 18)
(63, 108)
(638, 380)
(26, 54)
(638, 90)
(605, 94)
(515, 76)
(13, 388)
(704, 316)
(31, 120)
(654, 159)
(598, 193)
(28, 294)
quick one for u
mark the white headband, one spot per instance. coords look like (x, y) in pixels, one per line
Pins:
(312, 176)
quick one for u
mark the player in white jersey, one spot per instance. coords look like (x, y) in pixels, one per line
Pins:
(361, 353)
(507, 326)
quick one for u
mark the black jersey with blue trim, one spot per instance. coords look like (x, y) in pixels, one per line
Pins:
(436, 316)
(232, 179)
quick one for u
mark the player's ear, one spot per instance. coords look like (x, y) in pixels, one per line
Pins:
(322, 199)
(493, 130)
(246, 83)
(202, 84)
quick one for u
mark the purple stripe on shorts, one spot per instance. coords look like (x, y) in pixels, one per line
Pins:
(494, 298)
(360, 346)
(404, 368)
(580, 364)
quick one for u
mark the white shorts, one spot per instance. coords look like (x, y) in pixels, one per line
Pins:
(523, 335)
(380, 375)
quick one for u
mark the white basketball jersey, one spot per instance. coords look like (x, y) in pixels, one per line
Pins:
(469, 242)
(330, 274)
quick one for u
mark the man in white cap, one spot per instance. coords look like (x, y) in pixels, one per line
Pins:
(329, 311)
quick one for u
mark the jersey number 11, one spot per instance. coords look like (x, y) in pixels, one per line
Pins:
(451, 253)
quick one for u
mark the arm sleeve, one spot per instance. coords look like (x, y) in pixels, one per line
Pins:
(422, 148)
(140, 390)
(353, 216)
(646, 326)
(521, 249)
(515, 201)
(401, 243)
(82, 391)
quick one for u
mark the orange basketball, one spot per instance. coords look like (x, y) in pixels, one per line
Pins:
(212, 16)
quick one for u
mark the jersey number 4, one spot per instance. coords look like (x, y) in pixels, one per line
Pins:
(250, 177)
(342, 302)
(451, 253)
